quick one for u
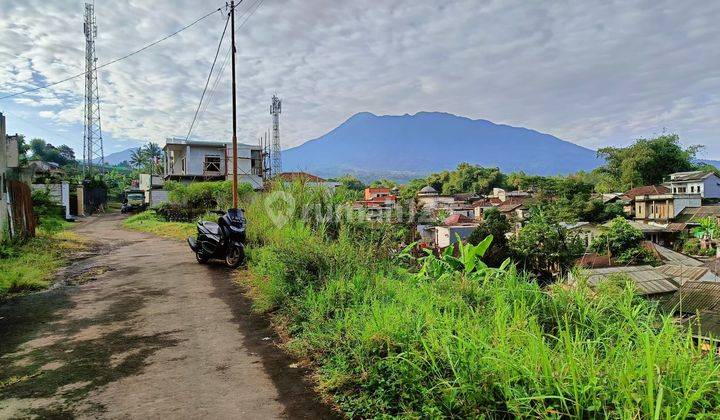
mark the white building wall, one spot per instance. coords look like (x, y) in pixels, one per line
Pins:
(711, 187)
(681, 203)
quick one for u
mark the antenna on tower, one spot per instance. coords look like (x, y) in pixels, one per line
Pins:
(92, 135)
(276, 165)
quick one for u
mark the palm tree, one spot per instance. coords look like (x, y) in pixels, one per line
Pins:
(153, 151)
(138, 158)
(154, 154)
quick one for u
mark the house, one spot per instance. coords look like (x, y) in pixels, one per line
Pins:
(503, 195)
(307, 179)
(584, 230)
(628, 198)
(663, 208)
(191, 160)
(377, 203)
(706, 184)
(435, 204)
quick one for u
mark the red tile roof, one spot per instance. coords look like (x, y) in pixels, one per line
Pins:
(457, 219)
(646, 190)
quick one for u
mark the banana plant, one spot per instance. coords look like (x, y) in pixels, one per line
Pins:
(468, 259)
(708, 228)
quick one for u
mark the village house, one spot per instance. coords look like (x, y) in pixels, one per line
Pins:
(706, 184)
(586, 231)
(192, 160)
(377, 203)
(662, 208)
(628, 198)
(431, 202)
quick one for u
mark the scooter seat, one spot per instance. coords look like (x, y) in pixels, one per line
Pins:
(211, 228)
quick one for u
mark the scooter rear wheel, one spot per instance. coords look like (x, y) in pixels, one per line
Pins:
(234, 257)
(201, 259)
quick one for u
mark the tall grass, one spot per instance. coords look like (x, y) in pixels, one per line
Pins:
(389, 340)
(31, 266)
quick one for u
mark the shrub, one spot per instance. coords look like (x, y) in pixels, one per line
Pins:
(456, 339)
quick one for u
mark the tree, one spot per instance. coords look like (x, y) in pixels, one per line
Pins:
(647, 161)
(472, 178)
(545, 248)
(66, 152)
(351, 182)
(138, 158)
(41, 150)
(624, 243)
(497, 225)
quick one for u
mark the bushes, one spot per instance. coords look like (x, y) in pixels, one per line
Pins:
(31, 266)
(453, 342)
(201, 197)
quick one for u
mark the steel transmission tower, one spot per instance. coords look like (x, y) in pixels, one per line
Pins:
(92, 135)
(276, 160)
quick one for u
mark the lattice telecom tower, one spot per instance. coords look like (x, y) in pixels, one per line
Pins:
(92, 135)
(276, 167)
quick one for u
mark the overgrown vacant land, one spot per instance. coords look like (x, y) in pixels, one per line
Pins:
(447, 336)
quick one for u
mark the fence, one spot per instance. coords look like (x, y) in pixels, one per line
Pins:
(22, 219)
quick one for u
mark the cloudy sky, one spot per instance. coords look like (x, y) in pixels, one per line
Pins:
(595, 73)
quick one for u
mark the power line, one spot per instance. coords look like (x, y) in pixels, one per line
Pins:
(115, 60)
(207, 82)
(249, 12)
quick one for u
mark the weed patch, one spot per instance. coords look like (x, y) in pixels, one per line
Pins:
(150, 222)
(32, 265)
(449, 337)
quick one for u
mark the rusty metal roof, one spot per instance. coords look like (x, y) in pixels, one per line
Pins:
(671, 257)
(647, 280)
(683, 274)
(695, 296)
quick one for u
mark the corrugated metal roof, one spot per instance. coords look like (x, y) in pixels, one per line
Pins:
(693, 214)
(648, 281)
(683, 274)
(694, 296)
(671, 257)
(689, 176)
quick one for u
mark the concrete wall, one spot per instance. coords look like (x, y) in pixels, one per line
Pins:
(446, 235)
(711, 187)
(59, 193)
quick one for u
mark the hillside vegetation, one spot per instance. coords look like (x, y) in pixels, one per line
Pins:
(395, 335)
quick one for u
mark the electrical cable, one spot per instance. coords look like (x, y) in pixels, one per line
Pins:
(207, 82)
(115, 60)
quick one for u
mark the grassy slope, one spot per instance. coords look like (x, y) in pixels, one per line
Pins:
(31, 266)
(149, 222)
(390, 342)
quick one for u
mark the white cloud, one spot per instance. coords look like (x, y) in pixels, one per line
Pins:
(594, 73)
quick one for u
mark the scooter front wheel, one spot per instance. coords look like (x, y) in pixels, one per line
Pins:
(235, 256)
(201, 259)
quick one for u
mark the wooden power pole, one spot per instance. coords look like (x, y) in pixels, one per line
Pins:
(234, 110)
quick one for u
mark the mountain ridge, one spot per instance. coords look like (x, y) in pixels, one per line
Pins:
(425, 142)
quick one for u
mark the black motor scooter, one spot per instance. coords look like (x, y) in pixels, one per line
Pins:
(223, 240)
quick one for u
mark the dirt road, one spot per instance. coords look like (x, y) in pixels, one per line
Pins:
(152, 335)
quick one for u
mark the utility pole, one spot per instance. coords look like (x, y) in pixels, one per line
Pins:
(234, 111)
